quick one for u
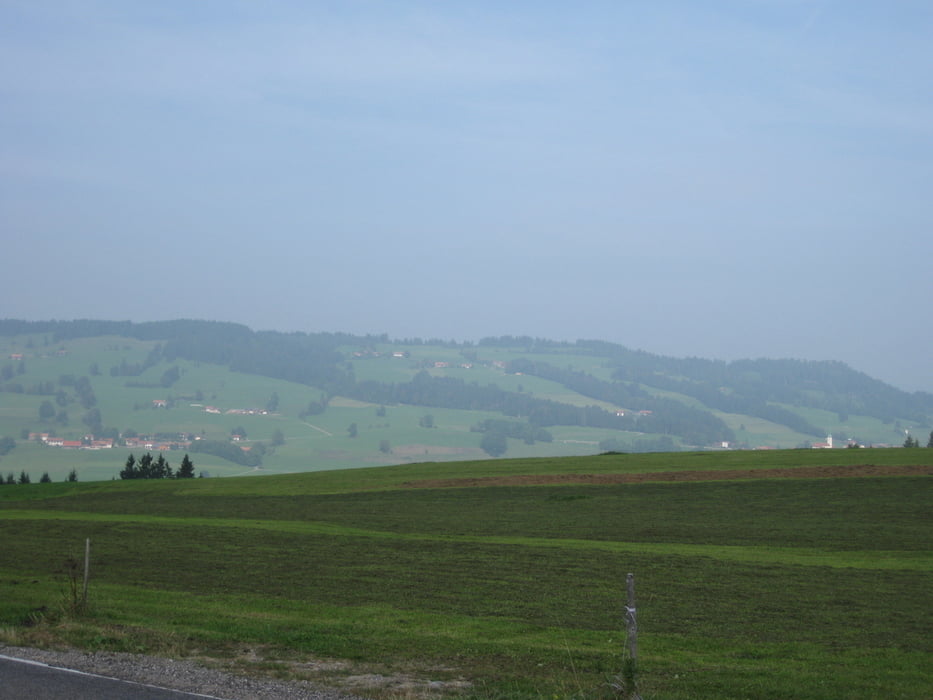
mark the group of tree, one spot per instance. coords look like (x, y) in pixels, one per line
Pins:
(169, 377)
(127, 369)
(914, 442)
(314, 408)
(24, 478)
(149, 468)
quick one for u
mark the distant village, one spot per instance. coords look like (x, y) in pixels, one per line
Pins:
(183, 440)
(145, 442)
(90, 442)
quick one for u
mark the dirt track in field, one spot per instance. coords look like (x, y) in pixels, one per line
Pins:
(828, 472)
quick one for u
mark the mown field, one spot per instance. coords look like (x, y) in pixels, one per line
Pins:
(489, 580)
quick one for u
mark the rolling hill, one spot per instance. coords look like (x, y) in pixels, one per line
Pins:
(247, 402)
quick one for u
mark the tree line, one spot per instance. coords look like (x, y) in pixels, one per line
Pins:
(24, 478)
(155, 468)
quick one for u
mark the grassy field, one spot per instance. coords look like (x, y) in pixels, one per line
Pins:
(312, 443)
(489, 580)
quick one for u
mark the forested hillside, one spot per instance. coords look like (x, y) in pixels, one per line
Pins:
(619, 398)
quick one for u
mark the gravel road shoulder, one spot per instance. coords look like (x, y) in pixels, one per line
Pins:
(184, 675)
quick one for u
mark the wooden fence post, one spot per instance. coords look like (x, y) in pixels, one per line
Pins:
(87, 568)
(630, 667)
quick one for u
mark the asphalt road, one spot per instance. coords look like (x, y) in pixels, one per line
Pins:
(30, 680)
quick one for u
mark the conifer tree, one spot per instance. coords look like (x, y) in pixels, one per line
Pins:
(161, 469)
(186, 470)
(129, 471)
(145, 466)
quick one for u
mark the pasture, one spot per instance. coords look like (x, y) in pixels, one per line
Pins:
(383, 435)
(788, 578)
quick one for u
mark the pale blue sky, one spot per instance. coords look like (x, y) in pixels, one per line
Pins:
(716, 179)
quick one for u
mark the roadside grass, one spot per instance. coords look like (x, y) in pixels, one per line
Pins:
(773, 588)
(510, 615)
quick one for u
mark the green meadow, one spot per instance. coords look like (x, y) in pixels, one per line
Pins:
(790, 587)
(384, 436)
(390, 435)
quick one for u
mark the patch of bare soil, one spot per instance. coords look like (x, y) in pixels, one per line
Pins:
(825, 472)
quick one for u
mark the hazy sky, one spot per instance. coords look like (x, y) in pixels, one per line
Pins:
(716, 179)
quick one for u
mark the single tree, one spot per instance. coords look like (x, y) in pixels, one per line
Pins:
(278, 438)
(24, 478)
(930, 441)
(186, 470)
(161, 468)
(45, 478)
(130, 471)
(494, 444)
(72, 475)
(144, 467)
(46, 411)
(272, 405)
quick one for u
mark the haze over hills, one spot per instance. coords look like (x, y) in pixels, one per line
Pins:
(722, 179)
(266, 401)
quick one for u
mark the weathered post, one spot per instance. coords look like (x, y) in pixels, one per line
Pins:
(630, 666)
(87, 569)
